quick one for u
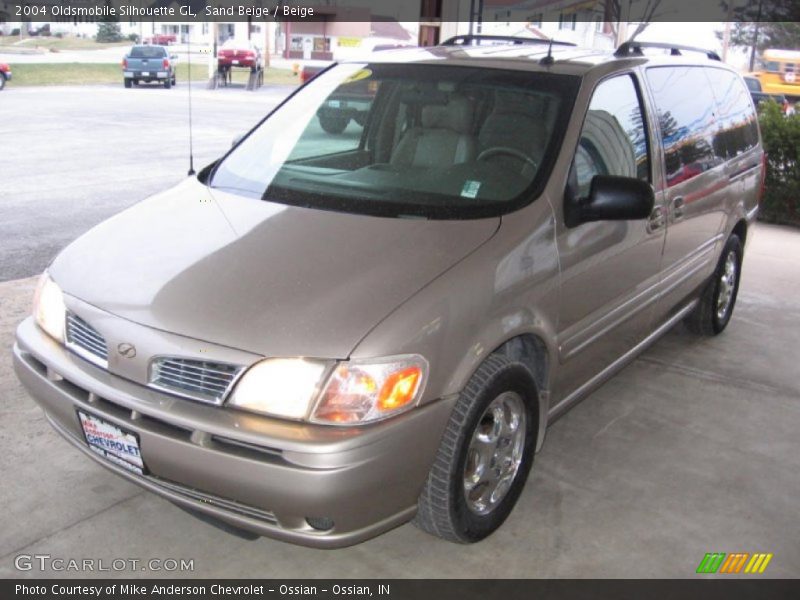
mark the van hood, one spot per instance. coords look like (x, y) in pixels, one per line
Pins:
(263, 277)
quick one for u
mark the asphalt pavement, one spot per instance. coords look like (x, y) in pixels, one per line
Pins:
(74, 156)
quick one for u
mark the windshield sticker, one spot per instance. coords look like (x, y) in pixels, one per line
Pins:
(470, 189)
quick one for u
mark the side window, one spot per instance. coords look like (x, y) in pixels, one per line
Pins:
(737, 127)
(686, 118)
(614, 139)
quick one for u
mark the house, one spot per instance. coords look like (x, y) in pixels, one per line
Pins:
(582, 22)
(340, 40)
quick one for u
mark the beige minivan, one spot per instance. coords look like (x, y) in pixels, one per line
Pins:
(325, 335)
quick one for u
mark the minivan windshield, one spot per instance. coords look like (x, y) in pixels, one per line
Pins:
(399, 140)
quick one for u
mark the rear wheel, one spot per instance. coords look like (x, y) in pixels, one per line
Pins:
(167, 83)
(127, 82)
(485, 454)
(2, 81)
(333, 123)
(719, 296)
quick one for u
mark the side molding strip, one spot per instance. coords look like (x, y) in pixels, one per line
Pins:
(562, 407)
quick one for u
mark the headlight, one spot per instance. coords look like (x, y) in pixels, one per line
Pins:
(353, 392)
(279, 387)
(48, 307)
(364, 391)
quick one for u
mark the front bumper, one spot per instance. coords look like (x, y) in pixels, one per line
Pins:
(256, 473)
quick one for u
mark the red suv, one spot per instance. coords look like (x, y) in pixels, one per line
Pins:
(5, 75)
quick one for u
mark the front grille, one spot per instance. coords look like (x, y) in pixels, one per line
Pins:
(86, 341)
(197, 379)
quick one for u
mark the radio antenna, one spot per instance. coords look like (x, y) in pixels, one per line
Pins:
(548, 60)
(189, 80)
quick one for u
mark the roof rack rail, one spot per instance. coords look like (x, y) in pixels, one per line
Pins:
(470, 39)
(635, 49)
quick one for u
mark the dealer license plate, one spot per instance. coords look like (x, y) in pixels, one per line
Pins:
(235, 62)
(145, 73)
(112, 443)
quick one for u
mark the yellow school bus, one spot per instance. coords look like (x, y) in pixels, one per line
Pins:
(779, 72)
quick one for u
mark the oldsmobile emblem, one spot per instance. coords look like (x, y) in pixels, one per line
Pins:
(127, 350)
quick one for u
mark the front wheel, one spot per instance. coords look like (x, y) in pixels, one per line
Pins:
(333, 123)
(715, 308)
(485, 454)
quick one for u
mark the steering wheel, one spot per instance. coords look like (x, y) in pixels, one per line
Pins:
(489, 152)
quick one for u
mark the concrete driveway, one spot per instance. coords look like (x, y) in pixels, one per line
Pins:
(693, 448)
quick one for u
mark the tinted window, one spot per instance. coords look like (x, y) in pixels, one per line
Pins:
(148, 52)
(686, 118)
(753, 84)
(613, 140)
(737, 127)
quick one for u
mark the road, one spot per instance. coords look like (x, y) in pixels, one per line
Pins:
(74, 156)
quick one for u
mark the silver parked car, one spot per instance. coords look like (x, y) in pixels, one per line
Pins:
(325, 335)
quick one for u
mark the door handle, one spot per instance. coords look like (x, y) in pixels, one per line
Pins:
(677, 207)
(656, 220)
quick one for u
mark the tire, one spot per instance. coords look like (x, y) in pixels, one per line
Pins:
(719, 295)
(127, 82)
(2, 82)
(167, 83)
(333, 123)
(455, 503)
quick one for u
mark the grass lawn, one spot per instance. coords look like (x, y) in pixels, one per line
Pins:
(54, 43)
(94, 73)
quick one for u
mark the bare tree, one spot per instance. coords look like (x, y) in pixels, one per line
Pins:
(641, 12)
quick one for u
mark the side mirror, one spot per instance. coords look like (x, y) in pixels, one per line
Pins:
(612, 199)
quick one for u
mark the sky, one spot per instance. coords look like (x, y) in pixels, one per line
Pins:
(694, 34)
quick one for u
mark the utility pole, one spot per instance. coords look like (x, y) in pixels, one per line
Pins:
(726, 35)
(212, 57)
(267, 25)
(755, 38)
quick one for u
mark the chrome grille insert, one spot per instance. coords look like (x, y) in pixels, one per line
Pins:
(85, 341)
(196, 379)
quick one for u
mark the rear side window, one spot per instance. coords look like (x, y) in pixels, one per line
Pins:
(686, 108)
(737, 127)
(613, 139)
